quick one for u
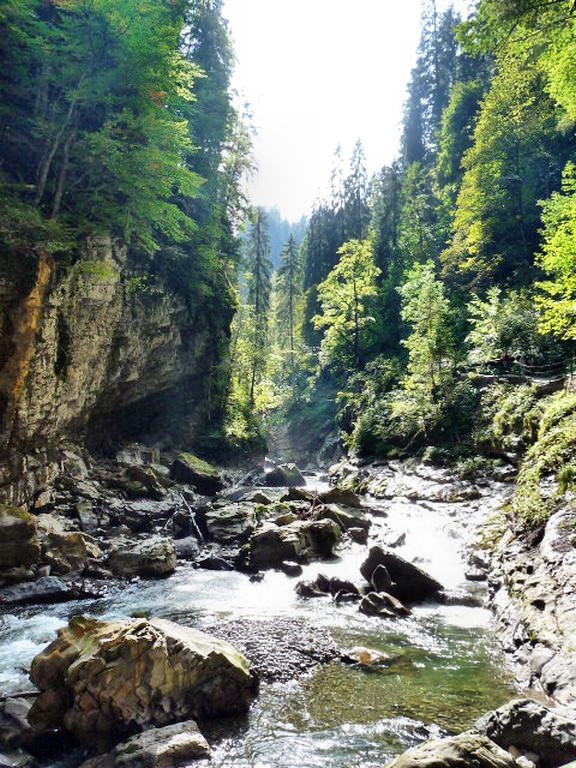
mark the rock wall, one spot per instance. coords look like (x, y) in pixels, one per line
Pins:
(533, 594)
(94, 352)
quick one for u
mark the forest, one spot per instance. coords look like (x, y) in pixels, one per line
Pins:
(455, 261)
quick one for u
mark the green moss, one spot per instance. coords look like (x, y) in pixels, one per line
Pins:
(198, 465)
(94, 268)
(548, 469)
(509, 419)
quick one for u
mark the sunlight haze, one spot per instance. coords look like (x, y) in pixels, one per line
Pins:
(317, 74)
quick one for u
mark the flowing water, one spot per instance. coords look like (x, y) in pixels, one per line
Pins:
(445, 669)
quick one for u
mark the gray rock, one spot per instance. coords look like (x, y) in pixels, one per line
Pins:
(284, 475)
(229, 522)
(154, 556)
(342, 496)
(168, 747)
(382, 604)
(270, 545)
(530, 726)
(358, 535)
(47, 589)
(187, 548)
(19, 545)
(467, 750)
(381, 580)
(343, 516)
(15, 758)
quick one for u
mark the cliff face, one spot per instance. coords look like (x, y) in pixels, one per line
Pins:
(93, 353)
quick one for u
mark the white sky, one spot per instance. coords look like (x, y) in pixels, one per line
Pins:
(318, 73)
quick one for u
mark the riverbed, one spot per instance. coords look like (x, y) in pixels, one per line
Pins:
(444, 667)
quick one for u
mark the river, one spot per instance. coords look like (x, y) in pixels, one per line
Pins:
(445, 667)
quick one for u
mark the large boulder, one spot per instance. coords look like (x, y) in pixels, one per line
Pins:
(284, 475)
(411, 584)
(167, 747)
(343, 496)
(63, 550)
(19, 547)
(154, 556)
(467, 750)
(187, 468)
(271, 544)
(343, 516)
(531, 727)
(101, 680)
(227, 523)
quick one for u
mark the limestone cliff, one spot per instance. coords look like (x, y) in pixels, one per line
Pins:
(95, 352)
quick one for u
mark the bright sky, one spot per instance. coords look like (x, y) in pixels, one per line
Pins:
(318, 73)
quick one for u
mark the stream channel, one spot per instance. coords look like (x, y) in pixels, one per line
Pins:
(446, 668)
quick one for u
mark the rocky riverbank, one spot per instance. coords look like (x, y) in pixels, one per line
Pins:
(532, 594)
(145, 515)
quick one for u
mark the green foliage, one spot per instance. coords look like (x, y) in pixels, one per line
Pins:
(548, 467)
(508, 419)
(345, 303)
(426, 309)
(508, 323)
(96, 91)
(495, 228)
(558, 260)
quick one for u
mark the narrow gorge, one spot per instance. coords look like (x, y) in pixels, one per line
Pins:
(281, 492)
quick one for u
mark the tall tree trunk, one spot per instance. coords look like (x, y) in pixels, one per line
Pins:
(62, 175)
(46, 162)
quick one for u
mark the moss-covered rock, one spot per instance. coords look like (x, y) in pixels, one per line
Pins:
(187, 468)
(548, 469)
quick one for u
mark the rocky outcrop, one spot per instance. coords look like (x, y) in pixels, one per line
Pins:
(283, 475)
(153, 556)
(187, 468)
(533, 593)
(527, 726)
(227, 523)
(101, 680)
(521, 734)
(95, 350)
(271, 544)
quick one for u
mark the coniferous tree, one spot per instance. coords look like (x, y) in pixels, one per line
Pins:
(259, 290)
(290, 290)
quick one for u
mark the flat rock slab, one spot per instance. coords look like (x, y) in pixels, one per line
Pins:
(47, 589)
(467, 750)
(279, 650)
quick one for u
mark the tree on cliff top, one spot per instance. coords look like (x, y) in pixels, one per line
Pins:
(97, 108)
